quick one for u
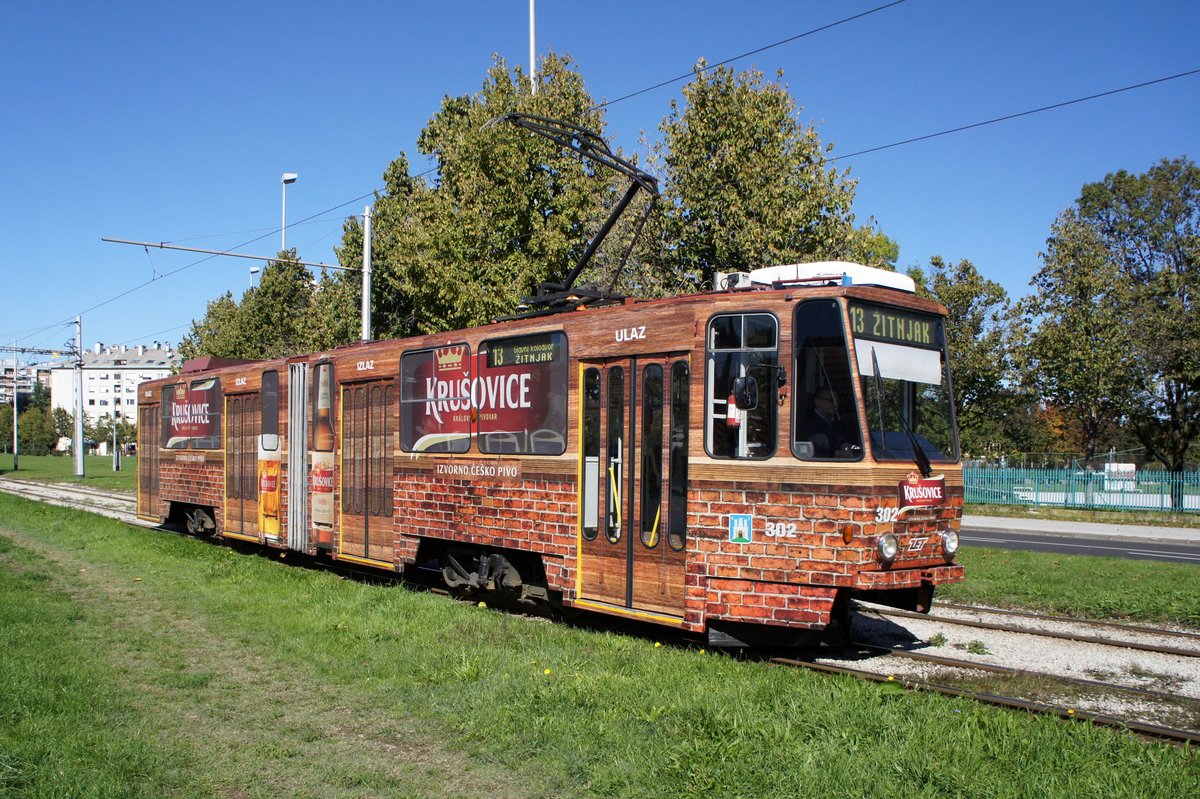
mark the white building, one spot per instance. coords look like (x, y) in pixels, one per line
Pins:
(110, 379)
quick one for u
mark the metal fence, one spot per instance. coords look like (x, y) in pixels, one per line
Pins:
(1077, 488)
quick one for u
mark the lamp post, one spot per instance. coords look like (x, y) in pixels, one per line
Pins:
(288, 177)
(254, 270)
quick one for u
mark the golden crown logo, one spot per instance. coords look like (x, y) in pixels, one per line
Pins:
(914, 478)
(449, 357)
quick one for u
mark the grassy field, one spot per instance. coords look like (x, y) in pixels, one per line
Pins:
(1079, 585)
(144, 664)
(97, 470)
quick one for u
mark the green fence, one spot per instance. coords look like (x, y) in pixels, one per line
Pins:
(1076, 488)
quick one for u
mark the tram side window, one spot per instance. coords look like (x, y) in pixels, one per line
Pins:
(825, 425)
(270, 411)
(677, 505)
(191, 415)
(742, 346)
(590, 499)
(521, 395)
(435, 400)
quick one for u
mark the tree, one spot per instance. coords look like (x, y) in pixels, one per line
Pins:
(1151, 225)
(64, 423)
(218, 334)
(747, 184)
(6, 428)
(505, 211)
(1078, 354)
(36, 432)
(40, 397)
(980, 329)
(272, 320)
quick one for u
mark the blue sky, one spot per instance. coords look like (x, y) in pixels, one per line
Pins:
(174, 122)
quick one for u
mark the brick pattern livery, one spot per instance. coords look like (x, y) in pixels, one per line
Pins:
(195, 477)
(537, 514)
(788, 574)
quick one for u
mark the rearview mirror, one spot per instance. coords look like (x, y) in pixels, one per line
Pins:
(745, 393)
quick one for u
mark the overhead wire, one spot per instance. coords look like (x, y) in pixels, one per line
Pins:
(1018, 115)
(749, 53)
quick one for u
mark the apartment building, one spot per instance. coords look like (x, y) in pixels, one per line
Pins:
(110, 378)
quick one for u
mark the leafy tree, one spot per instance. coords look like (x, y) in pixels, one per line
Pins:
(35, 432)
(747, 184)
(1079, 350)
(102, 431)
(271, 321)
(218, 334)
(505, 211)
(1151, 225)
(64, 423)
(272, 316)
(40, 397)
(6, 416)
(980, 331)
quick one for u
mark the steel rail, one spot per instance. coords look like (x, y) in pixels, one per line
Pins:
(1009, 628)
(1025, 614)
(960, 663)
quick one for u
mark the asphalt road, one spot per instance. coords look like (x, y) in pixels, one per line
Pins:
(1136, 548)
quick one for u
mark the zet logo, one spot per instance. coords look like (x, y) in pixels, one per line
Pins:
(741, 528)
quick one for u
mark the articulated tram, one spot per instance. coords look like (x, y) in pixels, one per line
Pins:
(737, 464)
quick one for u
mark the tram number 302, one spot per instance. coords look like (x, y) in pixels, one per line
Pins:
(887, 515)
(781, 529)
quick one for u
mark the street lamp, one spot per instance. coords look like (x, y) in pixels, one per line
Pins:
(288, 177)
(254, 270)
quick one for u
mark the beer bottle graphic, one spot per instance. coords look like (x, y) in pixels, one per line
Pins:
(322, 459)
(323, 426)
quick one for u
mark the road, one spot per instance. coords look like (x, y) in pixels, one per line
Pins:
(1081, 543)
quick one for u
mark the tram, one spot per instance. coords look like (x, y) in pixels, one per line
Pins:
(738, 464)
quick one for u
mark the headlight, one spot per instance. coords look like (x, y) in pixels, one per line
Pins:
(950, 543)
(888, 547)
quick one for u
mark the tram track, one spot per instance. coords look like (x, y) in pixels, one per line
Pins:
(1174, 735)
(113, 504)
(1141, 678)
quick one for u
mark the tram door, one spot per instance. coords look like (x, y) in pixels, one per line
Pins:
(149, 442)
(633, 498)
(243, 420)
(368, 428)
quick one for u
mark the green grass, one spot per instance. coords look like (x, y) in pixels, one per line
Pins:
(97, 470)
(223, 674)
(1079, 585)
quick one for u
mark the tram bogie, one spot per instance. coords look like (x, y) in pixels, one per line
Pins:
(737, 464)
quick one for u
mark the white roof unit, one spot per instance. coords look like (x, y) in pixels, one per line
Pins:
(843, 272)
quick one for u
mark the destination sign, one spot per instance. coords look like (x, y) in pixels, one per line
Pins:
(523, 351)
(889, 324)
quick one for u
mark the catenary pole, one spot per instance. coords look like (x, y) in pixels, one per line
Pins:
(366, 275)
(16, 440)
(532, 49)
(79, 397)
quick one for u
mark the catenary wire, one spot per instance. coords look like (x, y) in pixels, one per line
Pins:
(1018, 115)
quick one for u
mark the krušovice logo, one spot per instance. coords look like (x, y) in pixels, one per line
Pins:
(916, 491)
(449, 358)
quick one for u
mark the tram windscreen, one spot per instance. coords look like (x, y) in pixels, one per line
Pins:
(902, 366)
